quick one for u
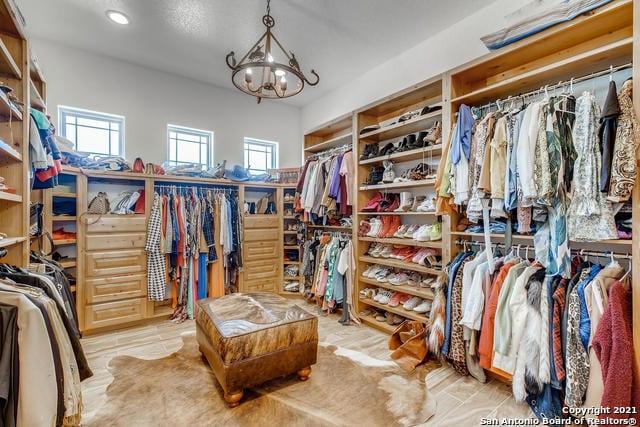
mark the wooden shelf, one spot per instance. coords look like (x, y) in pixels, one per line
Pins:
(10, 241)
(400, 264)
(9, 153)
(10, 197)
(35, 98)
(529, 238)
(397, 241)
(329, 227)
(598, 59)
(406, 184)
(292, 262)
(291, 247)
(383, 326)
(396, 310)
(424, 293)
(290, 232)
(333, 142)
(7, 109)
(398, 213)
(418, 153)
(8, 65)
(68, 262)
(289, 217)
(66, 195)
(292, 277)
(63, 242)
(63, 218)
(414, 125)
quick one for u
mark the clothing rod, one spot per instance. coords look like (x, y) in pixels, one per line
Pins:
(560, 84)
(332, 150)
(461, 242)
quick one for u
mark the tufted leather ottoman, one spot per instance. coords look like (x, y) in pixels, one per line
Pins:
(252, 338)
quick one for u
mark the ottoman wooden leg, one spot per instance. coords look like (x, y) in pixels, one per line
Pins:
(233, 398)
(304, 373)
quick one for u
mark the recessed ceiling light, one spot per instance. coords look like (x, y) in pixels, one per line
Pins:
(118, 17)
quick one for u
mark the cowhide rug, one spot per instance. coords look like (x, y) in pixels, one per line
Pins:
(346, 388)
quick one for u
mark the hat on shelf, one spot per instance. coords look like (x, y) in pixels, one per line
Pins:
(237, 173)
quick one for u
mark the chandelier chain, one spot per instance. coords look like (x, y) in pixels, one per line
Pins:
(269, 7)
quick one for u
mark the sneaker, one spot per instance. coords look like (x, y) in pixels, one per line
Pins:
(427, 282)
(374, 270)
(435, 232)
(417, 201)
(380, 317)
(401, 231)
(378, 295)
(399, 298)
(412, 229)
(375, 249)
(381, 276)
(387, 297)
(423, 234)
(412, 303)
(385, 252)
(376, 226)
(426, 206)
(399, 279)
(366, 272)
(423, 307)
(414, 279)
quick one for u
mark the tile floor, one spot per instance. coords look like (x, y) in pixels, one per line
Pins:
(462, 401)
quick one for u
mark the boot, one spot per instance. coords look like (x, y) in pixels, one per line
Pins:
(406, 201)
(434, 134)
(389, 175)
(393, 227)
(416, 202)
(386, 224)
(395, 202)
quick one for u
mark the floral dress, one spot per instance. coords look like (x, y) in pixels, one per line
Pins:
(589, 216)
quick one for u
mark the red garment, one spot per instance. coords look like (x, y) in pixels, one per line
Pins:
(485, 345)
(559, 297)
(613, 345)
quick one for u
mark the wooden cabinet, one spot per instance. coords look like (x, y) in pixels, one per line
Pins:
(112, 288)
(262, 245)
(114, 313)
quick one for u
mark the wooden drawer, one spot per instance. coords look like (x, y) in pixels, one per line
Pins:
(261, 221)
(261, 285)
(115, 288)
(261, 234)
(263, 269)
(261, 250)
(114, 313)
(112, 263)
(115, 223)
(96, 242)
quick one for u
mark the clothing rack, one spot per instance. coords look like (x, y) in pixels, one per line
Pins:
(330, 151)
(561, 84)
(198, 189)
(462, 242)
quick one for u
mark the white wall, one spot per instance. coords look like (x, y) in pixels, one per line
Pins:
(151, 99)
(448, 49)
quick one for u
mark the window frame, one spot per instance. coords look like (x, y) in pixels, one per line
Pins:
(194, 132)
(275, 152)
(65, 111)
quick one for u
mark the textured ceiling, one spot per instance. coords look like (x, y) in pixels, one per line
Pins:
(341, 39)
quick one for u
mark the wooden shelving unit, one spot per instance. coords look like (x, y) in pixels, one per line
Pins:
(426, 94)
(14, 138)
(288, 203)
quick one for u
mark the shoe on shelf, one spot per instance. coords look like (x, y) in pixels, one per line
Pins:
(435, 232)
(423, 307)
(413, 279)
(381, 276)
(394, 225)
(376, 224)
(434, 134)
(380, 316)
(423, 234)
(399, 298)
(374, 271)
(366, 271)
(412, 303)
(412, 229)
(394, 202)
(364, 229)
(401, 231)
(399, 279)
(406, 201)
(417, 201)
(373, 204)
(386, 251)
(427, 282)
(427, 205)
(389, 175)
(386, 297)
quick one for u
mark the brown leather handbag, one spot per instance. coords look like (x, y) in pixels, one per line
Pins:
(138, 165)
(409, 343)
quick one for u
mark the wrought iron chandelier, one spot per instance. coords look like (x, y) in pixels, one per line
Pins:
(267, 70)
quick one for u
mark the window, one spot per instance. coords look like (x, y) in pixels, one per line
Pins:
(189, 146)
(260, 155)
(93, 132)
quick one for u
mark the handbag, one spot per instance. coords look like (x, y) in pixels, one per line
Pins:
(99, 204)
(138, 165)
(409, 343)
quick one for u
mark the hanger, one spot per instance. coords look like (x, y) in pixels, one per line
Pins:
(610, 73)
